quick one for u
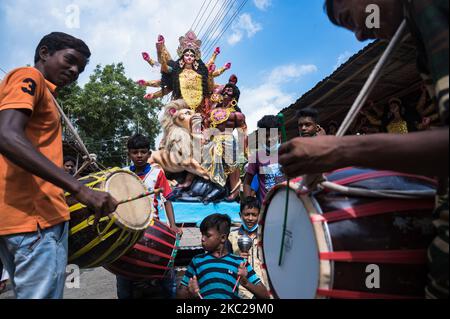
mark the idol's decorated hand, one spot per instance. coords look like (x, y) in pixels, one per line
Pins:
(142, 82)
(212, 68)
(161, 39)
(146, 56)
(228, 66)
(217, 50)
(148, 96)
(310, 155)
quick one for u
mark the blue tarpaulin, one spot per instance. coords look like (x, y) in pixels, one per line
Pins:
(196, 212)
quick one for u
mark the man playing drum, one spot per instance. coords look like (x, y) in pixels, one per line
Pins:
(423, 153)
(34, 227)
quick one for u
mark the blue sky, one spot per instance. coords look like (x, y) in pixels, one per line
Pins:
(279, 48)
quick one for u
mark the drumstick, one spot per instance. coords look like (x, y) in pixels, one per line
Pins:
(371, 81)
(239, 278)
(146, 194)
(364, 93)
(286, 208)
(198, 292)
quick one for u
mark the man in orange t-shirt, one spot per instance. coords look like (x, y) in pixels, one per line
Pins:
(34, 213)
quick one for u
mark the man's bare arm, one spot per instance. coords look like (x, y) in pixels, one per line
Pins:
(16, 147)
(424, 153)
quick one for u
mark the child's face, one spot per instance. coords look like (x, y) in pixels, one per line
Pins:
(139, 156)
(63, 67)
(212, 239)
(250, 217)
(307, 127)
(69, 167)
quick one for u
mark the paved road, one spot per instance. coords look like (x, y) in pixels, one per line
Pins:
(98, 283)
(95, 283)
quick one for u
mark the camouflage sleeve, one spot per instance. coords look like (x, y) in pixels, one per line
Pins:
(431, 19)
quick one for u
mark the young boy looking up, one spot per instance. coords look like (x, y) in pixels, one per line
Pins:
(250, 212)
(34, 213)
(213, 275)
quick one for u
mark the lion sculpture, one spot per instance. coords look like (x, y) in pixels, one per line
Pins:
(182, 135)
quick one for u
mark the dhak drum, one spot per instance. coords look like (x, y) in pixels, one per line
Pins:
(344, 246)
(90, 246)
(152, 256)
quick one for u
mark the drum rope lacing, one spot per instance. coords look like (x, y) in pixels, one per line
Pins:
(380, 193)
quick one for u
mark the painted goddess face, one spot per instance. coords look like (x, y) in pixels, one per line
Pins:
(189, 57)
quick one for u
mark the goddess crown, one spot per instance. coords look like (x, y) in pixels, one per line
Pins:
(190, 41)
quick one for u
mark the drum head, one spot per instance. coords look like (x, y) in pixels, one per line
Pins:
(135, 215)
(298, 275)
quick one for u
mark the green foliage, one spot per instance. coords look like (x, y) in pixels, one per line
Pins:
(108, 110)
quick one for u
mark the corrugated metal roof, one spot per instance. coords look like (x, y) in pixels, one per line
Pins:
(334, 95)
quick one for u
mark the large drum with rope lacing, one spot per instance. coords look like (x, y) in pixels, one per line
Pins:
(153, 256)
(344, 246)
(95, 246)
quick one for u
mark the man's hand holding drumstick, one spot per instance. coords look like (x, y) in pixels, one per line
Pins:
(101, 203)
(313, 155)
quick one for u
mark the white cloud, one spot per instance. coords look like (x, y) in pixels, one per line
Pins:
(262, 4)
(236, 37)
(244, 25)
(269, 98)
(342, 59)
(286, 73)
(115, 31)
(118, 31)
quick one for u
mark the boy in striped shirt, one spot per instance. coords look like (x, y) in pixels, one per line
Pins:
(214, 275)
